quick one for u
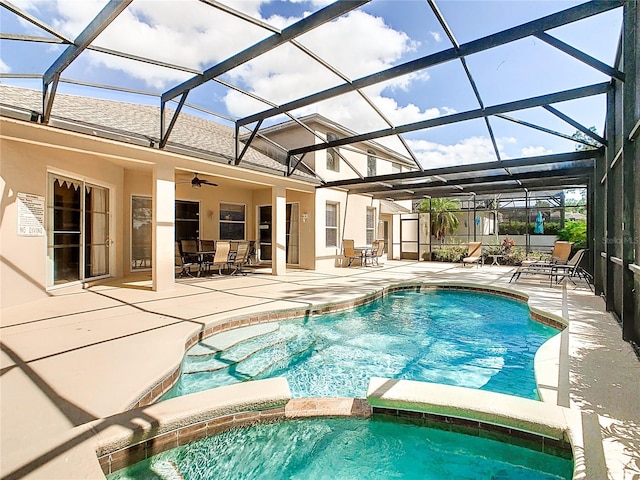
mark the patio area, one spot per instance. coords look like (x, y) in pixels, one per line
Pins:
(84, 355)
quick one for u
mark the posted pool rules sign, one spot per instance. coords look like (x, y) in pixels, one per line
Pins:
(30, 215)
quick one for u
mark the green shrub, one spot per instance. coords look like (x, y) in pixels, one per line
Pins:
(455, 254)
(449, 253)
(575, 232)
(520, 228)
(515, 257)
(512, 228)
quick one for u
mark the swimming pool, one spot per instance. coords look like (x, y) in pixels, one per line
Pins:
(455, 337)
(348, 448)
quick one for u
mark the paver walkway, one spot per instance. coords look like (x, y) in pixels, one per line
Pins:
(85, 354)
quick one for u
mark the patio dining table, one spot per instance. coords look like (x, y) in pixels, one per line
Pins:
(362, 251)
(201, 257)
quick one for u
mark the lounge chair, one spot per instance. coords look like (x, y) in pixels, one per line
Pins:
(350, 253)
(556, 272)
(559, 255)
(474, 254)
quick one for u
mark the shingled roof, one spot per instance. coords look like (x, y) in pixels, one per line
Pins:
(138, 124)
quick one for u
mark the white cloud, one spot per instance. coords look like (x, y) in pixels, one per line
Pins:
(535, 151)
(467, 151)
(436, 36)
(4, 68)
(197, 36)
(357, 44)
(190, 34)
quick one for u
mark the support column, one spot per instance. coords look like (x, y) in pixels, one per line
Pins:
(610, 232)
(598, 205)
(279, 231)
(163, 236)
(630, 119)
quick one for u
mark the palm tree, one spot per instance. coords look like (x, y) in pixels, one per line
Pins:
(443, 220)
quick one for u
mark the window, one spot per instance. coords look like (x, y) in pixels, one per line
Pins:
(232, 221)
(371, 163)
(140, 232)
(395, 167)
(333, 161)
(371, 222)
(187, 220)
(332, 225)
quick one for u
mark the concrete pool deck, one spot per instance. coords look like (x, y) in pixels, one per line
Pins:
(85, 354)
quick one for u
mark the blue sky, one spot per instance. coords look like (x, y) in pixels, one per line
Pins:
(379, 35)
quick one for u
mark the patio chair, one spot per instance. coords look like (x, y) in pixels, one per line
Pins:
(253, 253)
(556, 272)
(221, 257)
(184, 261)
(350, 253)
(377, 249)
(474, 254)
(189, 251)
(206, 259)
(240, 259)
(559, 255)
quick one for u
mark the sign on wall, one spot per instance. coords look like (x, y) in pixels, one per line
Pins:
(30, 215)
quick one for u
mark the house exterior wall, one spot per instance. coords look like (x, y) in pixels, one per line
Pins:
(30, 151)
(24, 169)
(294, 136)
(352, 208)
(352, 222)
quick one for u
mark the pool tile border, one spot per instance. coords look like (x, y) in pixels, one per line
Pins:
(306, 408)
(164, 385)
(131, 454)
(532, 441)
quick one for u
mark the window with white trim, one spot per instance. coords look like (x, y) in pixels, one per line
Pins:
(232, 221)
(331, 224)
(371, 163)
(370, 226)
(333, 160)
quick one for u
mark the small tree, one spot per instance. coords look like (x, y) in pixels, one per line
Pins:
(586, 142)
(443, 220)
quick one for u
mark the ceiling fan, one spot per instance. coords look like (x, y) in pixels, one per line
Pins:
(198, 182)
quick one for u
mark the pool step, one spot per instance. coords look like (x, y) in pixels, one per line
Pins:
(276, 356)
(291, 351)
(238, 353)
(226, 340)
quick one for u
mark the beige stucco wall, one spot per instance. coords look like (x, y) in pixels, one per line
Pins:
(24, 168)
(354, 209)
(307, 227)
(294, 136)
(29, 150)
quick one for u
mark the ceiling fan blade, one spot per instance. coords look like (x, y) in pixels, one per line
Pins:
(207, 182)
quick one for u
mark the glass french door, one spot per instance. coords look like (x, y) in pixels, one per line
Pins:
(265, 217)
(264, 232)
(77, 230)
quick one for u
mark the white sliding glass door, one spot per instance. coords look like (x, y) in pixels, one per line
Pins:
(77, 230)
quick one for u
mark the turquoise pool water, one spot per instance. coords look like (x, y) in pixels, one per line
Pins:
(348, 449)
(462, 338)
